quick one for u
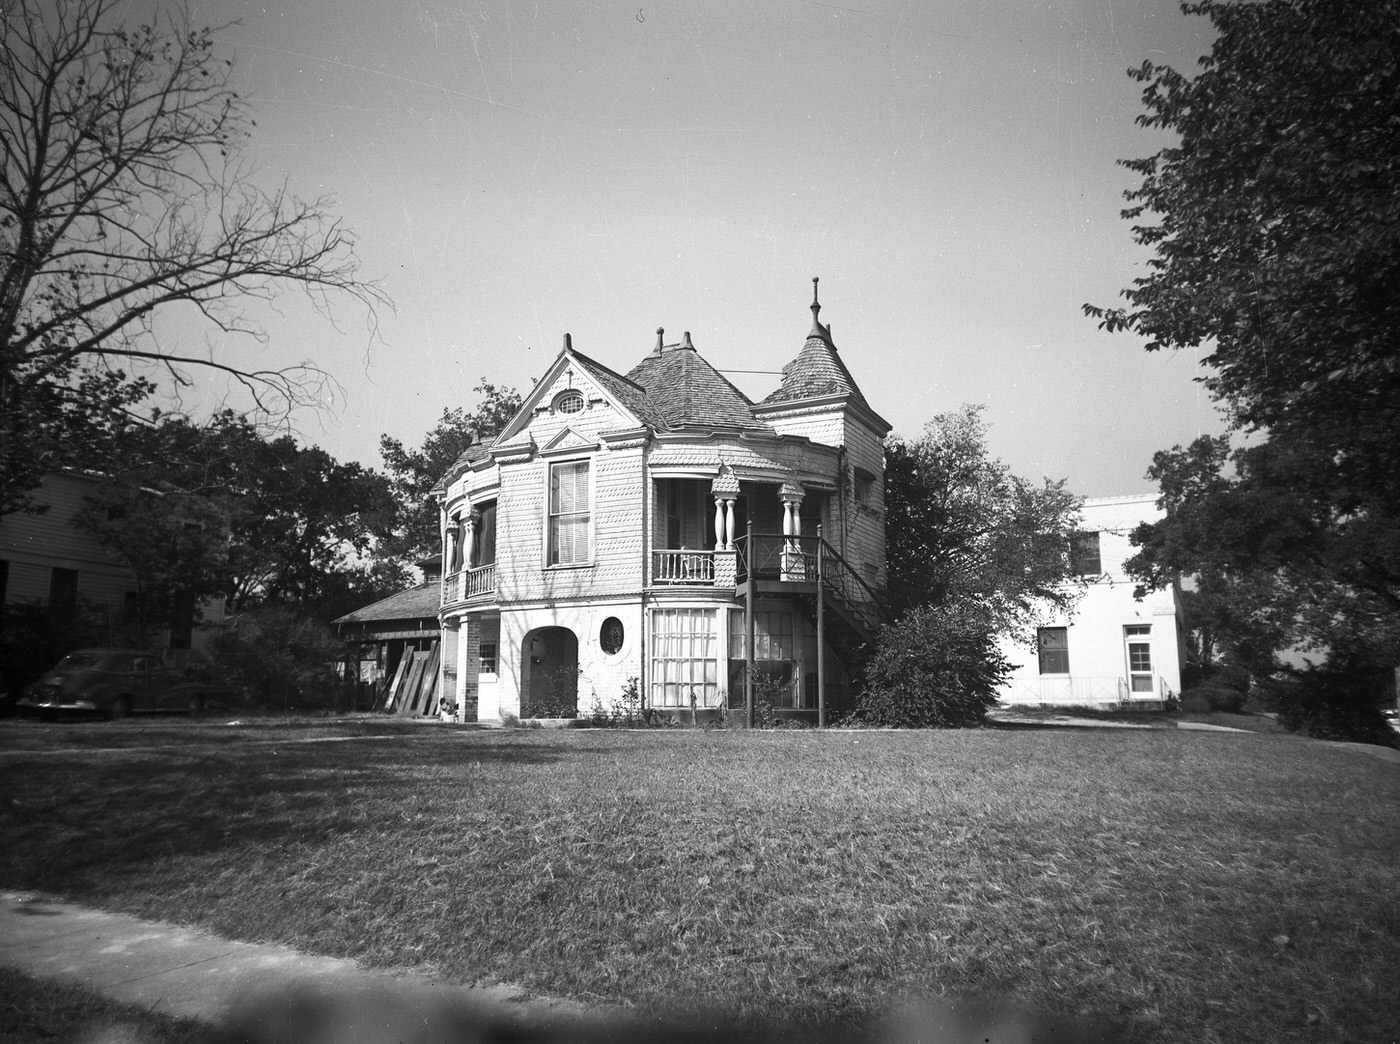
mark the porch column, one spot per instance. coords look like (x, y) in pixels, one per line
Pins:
(725, 489)
(793, 565)
(469, 537)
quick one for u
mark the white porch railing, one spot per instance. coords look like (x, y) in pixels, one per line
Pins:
(468, 583)
(683, 567)
(1070, 690)
(1080, 691)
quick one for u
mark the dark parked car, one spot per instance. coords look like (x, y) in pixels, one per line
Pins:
(120, 681)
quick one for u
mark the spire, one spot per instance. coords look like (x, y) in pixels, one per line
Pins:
(817, 329)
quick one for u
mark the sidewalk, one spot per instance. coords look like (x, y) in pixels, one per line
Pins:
(276, 992)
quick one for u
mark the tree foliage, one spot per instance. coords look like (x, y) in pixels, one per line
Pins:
(124, 192)
(414, 472)
(961, 528)
(1274, 224)
(218, 510)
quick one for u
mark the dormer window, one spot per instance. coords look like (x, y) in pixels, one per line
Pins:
(570, 401)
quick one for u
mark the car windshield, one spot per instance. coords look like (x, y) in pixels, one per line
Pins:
(77, 660)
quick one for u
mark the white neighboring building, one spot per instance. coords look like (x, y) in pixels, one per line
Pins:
(1112, 650)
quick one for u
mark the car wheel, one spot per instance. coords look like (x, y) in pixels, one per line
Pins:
(196, 705)
(121, 707)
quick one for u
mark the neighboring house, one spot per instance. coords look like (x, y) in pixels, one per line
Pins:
(603, 537)
(47, 559)
(1113, 650)
(391, 644)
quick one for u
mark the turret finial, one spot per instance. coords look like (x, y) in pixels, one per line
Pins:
(660, 333)
(817, 330)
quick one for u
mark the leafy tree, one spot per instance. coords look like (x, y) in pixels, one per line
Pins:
(962, 529)
(975, 554)
(217, 510)
(123, 192)
(1274, 223)
(414, 472)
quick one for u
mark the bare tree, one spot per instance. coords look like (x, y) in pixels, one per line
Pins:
(124, 190)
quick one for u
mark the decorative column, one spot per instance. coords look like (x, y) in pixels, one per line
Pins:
(473, 523)
(725, 490)
(794, 564)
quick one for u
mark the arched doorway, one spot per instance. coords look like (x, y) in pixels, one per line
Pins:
(549, 673)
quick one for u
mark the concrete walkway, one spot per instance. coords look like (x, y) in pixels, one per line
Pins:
(267, 992)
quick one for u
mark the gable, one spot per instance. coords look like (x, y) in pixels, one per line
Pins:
(576, 395)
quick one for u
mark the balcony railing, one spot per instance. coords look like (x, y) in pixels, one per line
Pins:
(468, 584)
(683, 567)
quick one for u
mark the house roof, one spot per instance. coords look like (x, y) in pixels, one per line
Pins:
(818, 370)
(684, 390)
(418, 603)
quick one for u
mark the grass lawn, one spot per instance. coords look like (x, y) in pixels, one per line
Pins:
(1191, 886)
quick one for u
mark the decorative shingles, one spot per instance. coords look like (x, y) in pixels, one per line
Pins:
(817, 371)
(685, 391)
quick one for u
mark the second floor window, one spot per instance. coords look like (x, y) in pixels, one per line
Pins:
(569, 518)
(1084, 557)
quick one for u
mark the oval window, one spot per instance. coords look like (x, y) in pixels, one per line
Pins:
(611, 636)
(569, 402)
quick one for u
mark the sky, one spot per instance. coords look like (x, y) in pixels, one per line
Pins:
(516, 170)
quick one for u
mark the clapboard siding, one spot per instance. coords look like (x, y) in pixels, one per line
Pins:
(35, 545)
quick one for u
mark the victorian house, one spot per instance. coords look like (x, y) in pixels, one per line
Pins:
(659, 533)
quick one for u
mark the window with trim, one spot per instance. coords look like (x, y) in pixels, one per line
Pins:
(569, 517)
(486, 654)
(684, 658)
(1053, 645)
(570, 401)
(1084, 557)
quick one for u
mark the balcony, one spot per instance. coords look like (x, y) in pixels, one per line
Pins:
(683, 567)
(469, 584)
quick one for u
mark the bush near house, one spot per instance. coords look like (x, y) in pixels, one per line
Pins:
(938, 667)
(1337, 703)
(1216, 688)
(280, 656)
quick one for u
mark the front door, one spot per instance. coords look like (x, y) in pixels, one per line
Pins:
(1137, 641)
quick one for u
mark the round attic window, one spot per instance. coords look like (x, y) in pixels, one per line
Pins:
(610, 637)
(570, 401)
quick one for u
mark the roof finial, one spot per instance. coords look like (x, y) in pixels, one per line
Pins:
(685, 342)
(817, 330)
(568, 343)
(660, 333)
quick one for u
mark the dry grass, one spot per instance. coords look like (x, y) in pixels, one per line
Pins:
(1195, 887)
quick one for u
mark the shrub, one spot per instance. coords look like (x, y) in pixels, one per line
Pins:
(1337, 703)
(938, 667)
(280, 656)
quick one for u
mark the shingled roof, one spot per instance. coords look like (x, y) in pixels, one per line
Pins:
(818, 370)
(418, 603)
(685, 391)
